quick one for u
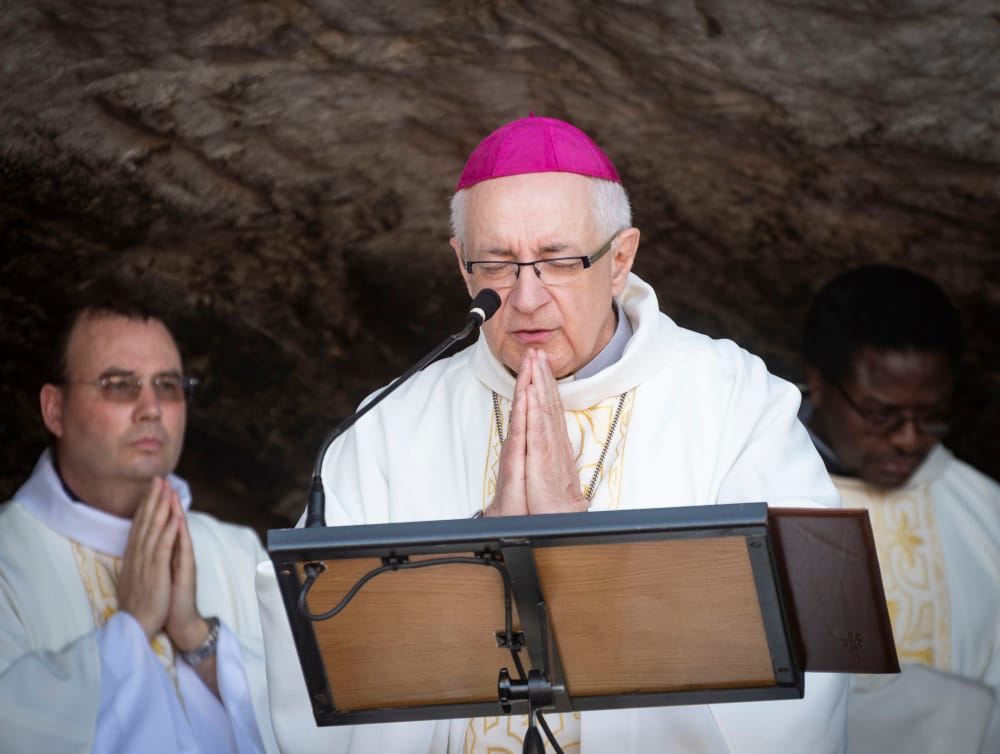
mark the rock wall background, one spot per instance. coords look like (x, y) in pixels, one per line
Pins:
(281, 172)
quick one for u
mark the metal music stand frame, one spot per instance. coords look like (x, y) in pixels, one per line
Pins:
(632, 608)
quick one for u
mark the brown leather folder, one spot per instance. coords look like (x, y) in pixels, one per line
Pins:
(827, 562)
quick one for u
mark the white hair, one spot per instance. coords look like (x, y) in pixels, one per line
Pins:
(609, 206)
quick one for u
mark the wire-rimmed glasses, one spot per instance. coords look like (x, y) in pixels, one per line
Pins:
(553, 271)
(126, 387)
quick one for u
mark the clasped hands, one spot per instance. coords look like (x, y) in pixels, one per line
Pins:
(537, 472)
(157, 585)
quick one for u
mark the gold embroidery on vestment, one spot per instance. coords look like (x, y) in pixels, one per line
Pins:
(912, 565)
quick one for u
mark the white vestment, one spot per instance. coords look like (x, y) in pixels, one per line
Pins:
(69, 683)
(702, 422)
(938, 538)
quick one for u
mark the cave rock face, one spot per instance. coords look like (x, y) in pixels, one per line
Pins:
(280, 174)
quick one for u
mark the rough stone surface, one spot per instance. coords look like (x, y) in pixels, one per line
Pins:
(281, 171)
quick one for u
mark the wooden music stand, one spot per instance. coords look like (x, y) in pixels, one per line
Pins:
(581, 611)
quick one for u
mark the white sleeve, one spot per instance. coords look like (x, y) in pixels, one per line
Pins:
(48, 700)
(774, 461)
(228, 725)
(104, 691)
(139, 709)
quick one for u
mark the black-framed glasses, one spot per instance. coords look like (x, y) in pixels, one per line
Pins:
(126, 388)
(888, 421)
(554, 271)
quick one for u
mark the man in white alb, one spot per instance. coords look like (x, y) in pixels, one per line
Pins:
(127, 622)
(881, 346)
(579, 395)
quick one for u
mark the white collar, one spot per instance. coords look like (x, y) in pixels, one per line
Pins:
(44, 497)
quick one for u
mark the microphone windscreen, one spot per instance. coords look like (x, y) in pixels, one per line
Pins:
(484, 305)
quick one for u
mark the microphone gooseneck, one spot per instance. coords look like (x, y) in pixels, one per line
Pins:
(483, 306)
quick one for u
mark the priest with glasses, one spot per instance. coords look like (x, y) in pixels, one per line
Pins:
(580, 394)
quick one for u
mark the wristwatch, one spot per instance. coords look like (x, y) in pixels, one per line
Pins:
(207, 648)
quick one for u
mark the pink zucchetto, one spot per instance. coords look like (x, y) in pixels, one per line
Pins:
(536, 145)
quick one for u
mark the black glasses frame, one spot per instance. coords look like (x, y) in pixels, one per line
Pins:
(587, 260)
(888, 422)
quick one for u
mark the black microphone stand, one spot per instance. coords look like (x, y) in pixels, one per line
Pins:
(483, 306)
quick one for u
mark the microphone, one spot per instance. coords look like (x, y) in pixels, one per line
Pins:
(483, 306)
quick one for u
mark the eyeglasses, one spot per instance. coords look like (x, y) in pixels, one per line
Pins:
(556, 271)
(886, 422)
(126, 388)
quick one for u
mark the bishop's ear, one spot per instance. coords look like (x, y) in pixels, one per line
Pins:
(622, 257)
(457, 246)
